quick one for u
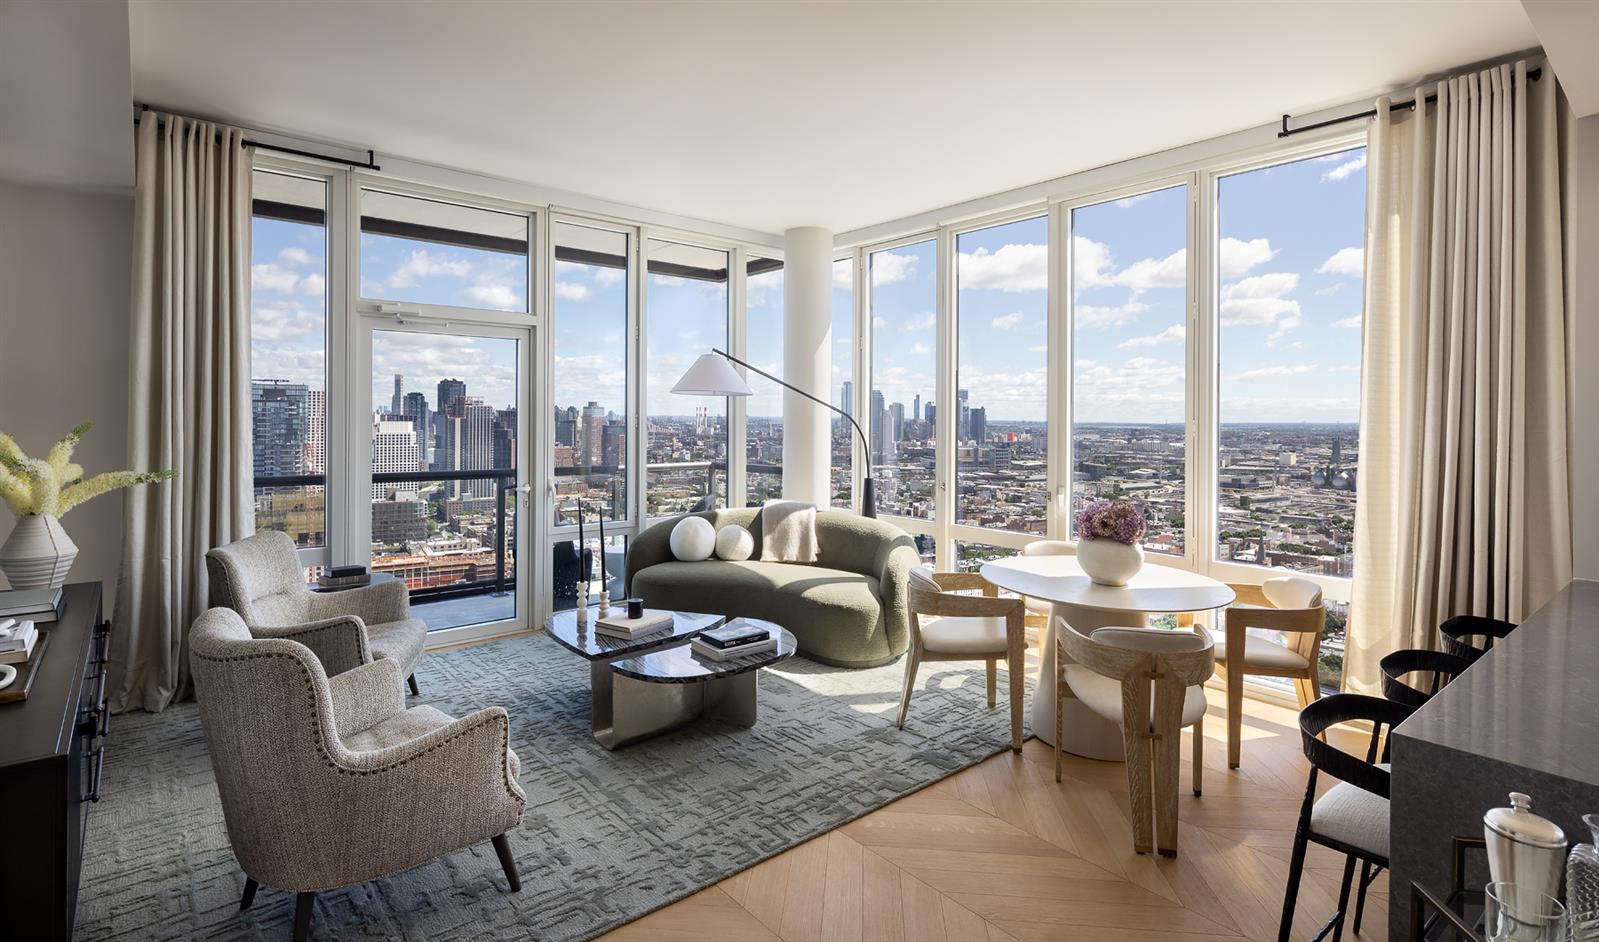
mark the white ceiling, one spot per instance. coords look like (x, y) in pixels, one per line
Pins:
(778, 114)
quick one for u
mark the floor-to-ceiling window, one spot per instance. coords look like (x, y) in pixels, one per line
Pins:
(1128, 308)
(841, 385)
(1289, 303)
(901, 409)
(687, 315)
(763, 411)
(288, 355)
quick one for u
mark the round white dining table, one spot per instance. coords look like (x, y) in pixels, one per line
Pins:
(1086, 606)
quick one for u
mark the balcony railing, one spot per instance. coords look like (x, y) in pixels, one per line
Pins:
(422, 588)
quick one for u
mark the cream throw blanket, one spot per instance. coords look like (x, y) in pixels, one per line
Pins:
(788, 532)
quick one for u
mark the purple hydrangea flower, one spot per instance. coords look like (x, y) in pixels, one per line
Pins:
(1117, 520)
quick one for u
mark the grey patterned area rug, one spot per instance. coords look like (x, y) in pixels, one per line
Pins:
(606, 838)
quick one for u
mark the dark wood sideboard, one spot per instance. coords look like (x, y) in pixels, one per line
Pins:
(52, 748)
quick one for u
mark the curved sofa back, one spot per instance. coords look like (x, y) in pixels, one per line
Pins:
(844, 541)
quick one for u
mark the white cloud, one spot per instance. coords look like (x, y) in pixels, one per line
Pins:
(844, 274)
(889, 267)
(498, 295)
(1094, 317)
(1127, 201)
(287, 322)
(1038, 349)
(424, 264)
(571, 291)
(1012, 268)
(1141, 389)
(1091, 263)
(1345, 169)
(605, 275)
(1349, 262)
(921, 349)
(1258, 300)
(667, 281)
(1331, 289)
(1237, 256)
(1273, 372)
(1007, 321)
(920, 322)
(1172, 334)
(1345, 368)
(313, 285)
(269, 276)
(1168, 272)
(1351, 323)
(879, 322)
(294, 256)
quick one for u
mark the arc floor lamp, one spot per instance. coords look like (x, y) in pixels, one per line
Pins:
(713, 375)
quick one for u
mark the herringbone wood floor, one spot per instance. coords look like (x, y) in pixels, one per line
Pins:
(1001, 853)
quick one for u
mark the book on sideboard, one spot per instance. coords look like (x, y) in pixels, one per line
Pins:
(40, 606)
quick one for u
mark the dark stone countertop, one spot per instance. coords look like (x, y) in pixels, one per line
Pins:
(1533, 701)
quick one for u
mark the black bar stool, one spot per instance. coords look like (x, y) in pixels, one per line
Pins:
(1443, 668)
(1458, 629)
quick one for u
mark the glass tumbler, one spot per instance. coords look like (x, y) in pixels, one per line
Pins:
(1516, 914)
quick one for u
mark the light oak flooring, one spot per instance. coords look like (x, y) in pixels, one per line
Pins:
(1001, 853)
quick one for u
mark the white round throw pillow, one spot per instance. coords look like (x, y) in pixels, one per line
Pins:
(734, 543)
(693, 539)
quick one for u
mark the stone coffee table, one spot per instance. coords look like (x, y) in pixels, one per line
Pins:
(645, 686)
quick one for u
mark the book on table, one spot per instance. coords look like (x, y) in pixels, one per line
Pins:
(711, 653)
(38, 605)
(737, 638)
(17, 639)
(621, 626)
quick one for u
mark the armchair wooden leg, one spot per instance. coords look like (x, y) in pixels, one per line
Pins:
(302, 916)
(1016, 672)
(1167, 758)
(503, 849)
(912, 661)
(415, 691)
(992, 666)
(1140, 789)
(250, 886)
(1199, 757)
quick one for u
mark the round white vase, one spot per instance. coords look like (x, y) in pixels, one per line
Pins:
(1108, 562)
(38, 554)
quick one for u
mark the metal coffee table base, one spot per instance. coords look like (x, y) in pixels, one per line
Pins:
(625, 710)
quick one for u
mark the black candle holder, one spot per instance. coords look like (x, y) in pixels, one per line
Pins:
(635, 608)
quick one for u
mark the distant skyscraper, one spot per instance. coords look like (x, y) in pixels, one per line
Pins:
(316, 445)
(916, 408)
(468, 445)
(979, 424)
(932, 414)
(591, 432)
(279, 427)
(415, 408)
(927, 414)
(393, 450)
(846, 397)
(896, 422)
(880, 439)
(566, 426)
(1337, 452)
(451, 392)
(399, 396)
(613, 444)
(964, 430)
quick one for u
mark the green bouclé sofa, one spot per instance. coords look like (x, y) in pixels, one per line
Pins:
(850, 608)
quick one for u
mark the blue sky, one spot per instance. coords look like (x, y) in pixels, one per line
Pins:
(1290, 311)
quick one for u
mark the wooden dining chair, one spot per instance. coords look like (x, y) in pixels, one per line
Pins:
(1039, 610)
(1290, 604)
(966, 628)
(1151, 682)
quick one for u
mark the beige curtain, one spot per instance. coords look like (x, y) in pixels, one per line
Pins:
(188, 397)
(1463, 482)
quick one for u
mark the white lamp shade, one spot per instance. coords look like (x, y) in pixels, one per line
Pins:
(712, 375)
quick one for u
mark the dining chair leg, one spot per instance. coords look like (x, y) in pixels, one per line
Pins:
(993, 666)
(1167, 747)
(1296, 869)
(912, 661)
(1060, 712)
(1343, 899)
(303, 902)
(1016, 675)
(1140, 790)
(1235, 713)
(1367, 874)
(1199, 757)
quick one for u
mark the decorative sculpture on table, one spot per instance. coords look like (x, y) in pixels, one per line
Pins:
(582, 570)
(39, 491)
(1108, 535)
(605, 583)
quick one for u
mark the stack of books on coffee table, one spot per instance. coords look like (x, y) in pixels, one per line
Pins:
(621, 626)
(16, 640)
(344, 577)
(735, 639)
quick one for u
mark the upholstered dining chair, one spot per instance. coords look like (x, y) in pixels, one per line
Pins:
(330, 781)
(260, 578)
(1290, 604)
(1459, 630)
(1434, 670)
(1040, 610)
(1350, 818)
(966, 628)
(1151, 682)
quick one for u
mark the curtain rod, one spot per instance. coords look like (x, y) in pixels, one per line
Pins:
(368, 164)
(1532, 76)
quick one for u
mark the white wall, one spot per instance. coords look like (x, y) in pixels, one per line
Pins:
(65, 266)
(1585, 348)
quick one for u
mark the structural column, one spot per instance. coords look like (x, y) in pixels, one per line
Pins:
(807, 362)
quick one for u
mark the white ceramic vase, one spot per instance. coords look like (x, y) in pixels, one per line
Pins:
(38, 554)
(1108, 562)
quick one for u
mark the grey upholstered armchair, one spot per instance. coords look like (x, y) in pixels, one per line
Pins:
(328, 782)
(260, 578)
